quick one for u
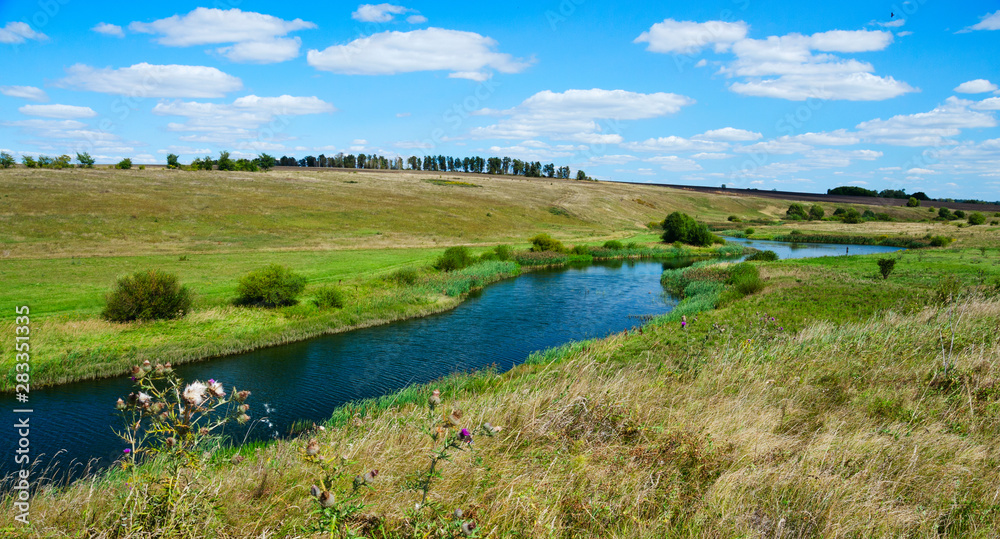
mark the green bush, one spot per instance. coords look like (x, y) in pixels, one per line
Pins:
(945, 213)
(407, 276)
(940, 241)
(816, 212)
(580, 250)
(544, 242)
(734, 219)
(273, 286)
(681, 227)
(329, 297)
(503, 252)
(912, 203)
(797, 212)
(749, 231)
(868, 215)
(29, 161)
(852, 217)
(959, 214)
(124, 164)
(763, 256)
(454, 258)
(977, 218)
(6, 160)
(147, 295)
(614, 245)
(885, 266)
(744, 279)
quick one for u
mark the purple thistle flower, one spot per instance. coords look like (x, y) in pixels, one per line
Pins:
(126, 451)
(465, 436)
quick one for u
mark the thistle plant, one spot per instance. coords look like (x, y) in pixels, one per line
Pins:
(339, 497)
(165, 416)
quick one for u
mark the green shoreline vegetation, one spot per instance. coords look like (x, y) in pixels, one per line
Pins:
(788, 398)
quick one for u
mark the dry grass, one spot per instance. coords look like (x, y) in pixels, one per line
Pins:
(837, 431)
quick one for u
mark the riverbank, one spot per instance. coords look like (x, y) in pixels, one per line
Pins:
(72, 348)
(822, 405)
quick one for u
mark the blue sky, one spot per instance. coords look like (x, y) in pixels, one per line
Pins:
(762, 94)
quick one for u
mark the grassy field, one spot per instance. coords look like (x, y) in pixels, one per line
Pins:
(833, 403)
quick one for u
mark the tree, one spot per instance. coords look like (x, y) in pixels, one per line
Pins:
(265, 162)
(44, 161)
(852, 190)
(29, 161)
(913, 203)
(86, 161)
(6, 160)
(796, 212)
(851, 216)
(224, 162)
(683, 228)
(945, 213)
(63, 161)
(172, 161)
(885, 266)
(816, 212)
(581, 175)
(977, 218)
(124, 164)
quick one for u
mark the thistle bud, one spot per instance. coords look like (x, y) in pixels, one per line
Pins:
(237, 459)
(171, 441)
(167, 367)
(326, 499)
(459, 514)
(312, 448)
(242, 395)
(158, 368)
(454, 418)
(435, 399)
(120, 405)
(204, 431)
(314, 490)
(468, 528)
(243, 407)
(146, 366)
(243, 419)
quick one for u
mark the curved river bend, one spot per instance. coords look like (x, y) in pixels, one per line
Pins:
(500, 326)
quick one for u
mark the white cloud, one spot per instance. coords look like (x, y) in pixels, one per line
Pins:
(926, 128)
(672, 36)
(109, 29)
(402, 114)
(25, 92)
(574, 114)
(19, 32)
(255, 37)
(990, 21)
(674, 163)
(920, 171)
(895, 23)
(794, 66)
(674, 143)
(147, 80)
(263, 52)
(840, 137)
(222, 123)
(729, 134)
(64, 112)
(535, 150)
(977, 86)
(711, 155)
(775, 147)
(430, 49)
(619, 159)
(416, 19)
(992, 103)
(377, 12)
(904, 33)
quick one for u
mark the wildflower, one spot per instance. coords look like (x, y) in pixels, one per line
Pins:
(490, 429)
(167, 367)
(215, 388)
(120, 405)
(156, 408)
(314, 490)
(243, 418)
(326, 499)
(458, 514)
(465, 436)
(435, 399)
(468, 528)
(204, 431)
(245, 407)
(194, 393)
(126, 451)
(158, 369)
(242, 395)
(439, 432)
(143, 399)
(312, 448)
(684, 321)
(171, 441)
(146, 366)
(366, 479)
(237, 459)
(454, 417)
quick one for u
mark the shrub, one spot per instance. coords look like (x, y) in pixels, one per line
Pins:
(544, 242)
(172, 161)
(749, 231)
(86, 161)
(652, 225)
(885, 266)
(763, 256)
(29, 161)
(945, 213)
(614, 245)
(940, 241)
(124, 164)
(959, 214)
(744, 279)
(839, 212)
(503, 252)
(797, 212)
(580, 250)
(408, 276)
(454, 258)
(795, 232)
(329, 297)
(734, 219)
(224, 162)
(912, 203)
(273, 286)
(977, 218)
(852, 217)
(681, 227)
(147, 295)
(6, 160)
(868, 215)
(816, 212)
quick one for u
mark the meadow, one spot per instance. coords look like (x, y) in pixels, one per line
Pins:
(832, 402)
